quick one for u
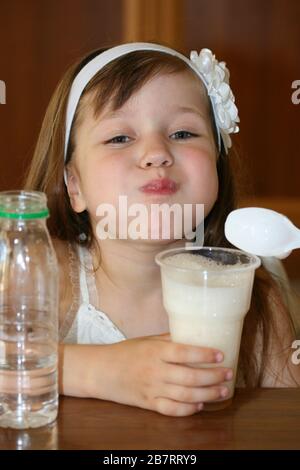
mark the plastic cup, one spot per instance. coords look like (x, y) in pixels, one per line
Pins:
(207, 293)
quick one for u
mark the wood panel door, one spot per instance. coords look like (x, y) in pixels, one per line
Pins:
(39, 39)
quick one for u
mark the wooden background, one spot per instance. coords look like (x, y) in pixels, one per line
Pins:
(260, 41)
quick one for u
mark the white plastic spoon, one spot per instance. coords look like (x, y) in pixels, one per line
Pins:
(262, 232)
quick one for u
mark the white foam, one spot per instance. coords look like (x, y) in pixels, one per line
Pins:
(192, 261)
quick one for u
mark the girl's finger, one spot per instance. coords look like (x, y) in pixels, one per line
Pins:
(164, 336)
(194, 395)
(169, 407)
(183, 353)
(196, 377)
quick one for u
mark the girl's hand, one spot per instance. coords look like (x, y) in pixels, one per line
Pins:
(157, 374)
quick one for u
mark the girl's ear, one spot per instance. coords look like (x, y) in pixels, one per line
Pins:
(73, 187)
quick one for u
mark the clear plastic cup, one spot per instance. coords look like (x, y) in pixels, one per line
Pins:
(207, 293)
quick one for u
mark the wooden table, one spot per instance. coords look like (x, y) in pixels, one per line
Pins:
(257, 419)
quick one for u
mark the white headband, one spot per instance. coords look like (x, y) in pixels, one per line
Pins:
(213, 74)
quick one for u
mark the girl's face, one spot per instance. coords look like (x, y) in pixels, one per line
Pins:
(162, 131)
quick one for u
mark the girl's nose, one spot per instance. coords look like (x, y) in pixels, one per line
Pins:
(156, 157)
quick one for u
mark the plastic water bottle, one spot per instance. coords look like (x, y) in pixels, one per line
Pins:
(28, 312)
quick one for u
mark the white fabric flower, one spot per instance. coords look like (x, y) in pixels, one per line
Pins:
(216, 77)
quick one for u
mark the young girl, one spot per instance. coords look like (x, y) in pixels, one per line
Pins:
(119, 119)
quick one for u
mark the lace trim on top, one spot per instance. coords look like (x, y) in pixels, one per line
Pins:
(90, 276)
(74, 276)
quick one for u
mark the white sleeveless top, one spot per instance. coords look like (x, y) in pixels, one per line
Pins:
(84, 324)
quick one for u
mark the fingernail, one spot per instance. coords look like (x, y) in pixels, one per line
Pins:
(224, 392)
(219, 357)
(229, 375)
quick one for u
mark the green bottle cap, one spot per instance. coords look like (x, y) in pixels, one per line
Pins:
(23, 205)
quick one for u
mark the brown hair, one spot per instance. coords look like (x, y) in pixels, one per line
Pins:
(116, 82)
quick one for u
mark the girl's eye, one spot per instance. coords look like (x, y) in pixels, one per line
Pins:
(184, 135)
(124, 139)
(119, 139)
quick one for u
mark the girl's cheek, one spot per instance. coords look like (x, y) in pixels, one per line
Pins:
(200, 167)
(204, 180)
(197, 159)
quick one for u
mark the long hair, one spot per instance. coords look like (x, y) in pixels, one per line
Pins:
(116, 83)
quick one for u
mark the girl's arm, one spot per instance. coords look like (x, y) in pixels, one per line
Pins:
(75, 365)
(149, 372)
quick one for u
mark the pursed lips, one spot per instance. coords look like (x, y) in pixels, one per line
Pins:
(160, 186)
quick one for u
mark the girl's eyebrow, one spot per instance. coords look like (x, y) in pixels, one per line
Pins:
(176, 110)
(188, 110)
(114, 114)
